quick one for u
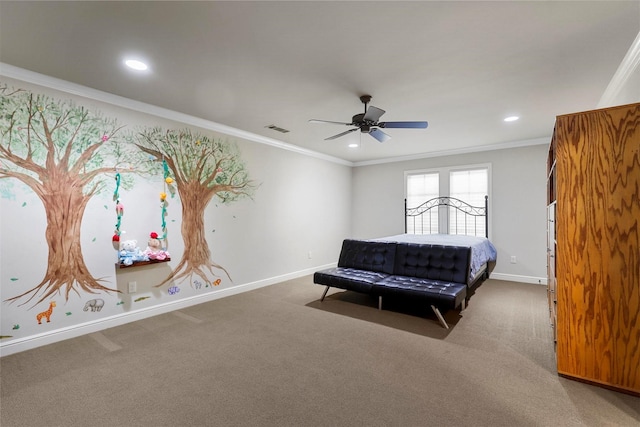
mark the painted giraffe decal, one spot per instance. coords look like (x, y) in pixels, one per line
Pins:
(46, 313)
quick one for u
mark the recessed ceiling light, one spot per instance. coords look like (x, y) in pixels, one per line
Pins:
(511, 118)
(136, 64)
(353, 145)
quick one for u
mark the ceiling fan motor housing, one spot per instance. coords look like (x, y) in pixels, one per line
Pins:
(364, 125)
(365, 99)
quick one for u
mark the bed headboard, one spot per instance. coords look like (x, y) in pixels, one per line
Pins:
(468, 220)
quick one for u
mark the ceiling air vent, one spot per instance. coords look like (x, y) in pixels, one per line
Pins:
(277, 128)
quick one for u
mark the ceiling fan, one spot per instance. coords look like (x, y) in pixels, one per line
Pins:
(367, 122)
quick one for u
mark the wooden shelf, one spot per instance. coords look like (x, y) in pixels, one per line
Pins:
(141, 263)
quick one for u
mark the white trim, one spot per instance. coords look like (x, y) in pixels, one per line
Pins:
(61, 334)
(627, 67)
(119, 101)
(519, 278)
(514, 144)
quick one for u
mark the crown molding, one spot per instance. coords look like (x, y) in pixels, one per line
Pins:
(453, 152)
(630, 63)
(32, 77)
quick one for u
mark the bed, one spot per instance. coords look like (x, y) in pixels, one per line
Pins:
(468, 226)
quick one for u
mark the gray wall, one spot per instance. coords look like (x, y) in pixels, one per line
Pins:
(296, 221)
(517, 205)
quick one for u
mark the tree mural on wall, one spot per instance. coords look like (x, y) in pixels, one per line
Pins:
(60, 152)
(204, 168)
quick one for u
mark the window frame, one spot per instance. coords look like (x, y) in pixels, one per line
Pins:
(444, 184)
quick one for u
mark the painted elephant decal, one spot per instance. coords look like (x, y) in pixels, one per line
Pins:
(94, 305)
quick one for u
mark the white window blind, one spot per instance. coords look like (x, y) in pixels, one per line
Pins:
(469, 186)
(421, 188)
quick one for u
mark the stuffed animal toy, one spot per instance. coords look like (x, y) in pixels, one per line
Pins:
(154, 249)
(130, 252)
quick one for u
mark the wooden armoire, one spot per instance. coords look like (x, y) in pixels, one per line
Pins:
(593, 246)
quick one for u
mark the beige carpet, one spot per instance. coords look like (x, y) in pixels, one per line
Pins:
(278, 357)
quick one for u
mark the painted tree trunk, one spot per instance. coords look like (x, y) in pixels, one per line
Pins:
(196, 259)
(64, 204)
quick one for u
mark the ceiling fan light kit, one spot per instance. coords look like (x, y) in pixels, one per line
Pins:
(368, 122)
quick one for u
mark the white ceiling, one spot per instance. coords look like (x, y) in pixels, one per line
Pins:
(460, 65)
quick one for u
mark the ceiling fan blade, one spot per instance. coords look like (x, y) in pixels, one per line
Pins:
(328, 121)
(379, 135)
(373, 114)
(405, 125)
(340, 134)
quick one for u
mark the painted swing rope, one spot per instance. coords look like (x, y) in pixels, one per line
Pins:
(119, 213)
(168, 185)
(158, 245)
(156, 250)
(127, 251)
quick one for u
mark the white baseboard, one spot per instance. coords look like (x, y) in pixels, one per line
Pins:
(62, 334)
(519, 278)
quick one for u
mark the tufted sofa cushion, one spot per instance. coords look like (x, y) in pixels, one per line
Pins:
(348, 278)
(435, 262)
(371, 256)
(438, 292)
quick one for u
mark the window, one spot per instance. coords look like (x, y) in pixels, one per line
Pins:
(469, 184)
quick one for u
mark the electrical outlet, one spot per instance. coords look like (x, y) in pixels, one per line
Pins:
(513, 259)
(133, 287)
(309, 255)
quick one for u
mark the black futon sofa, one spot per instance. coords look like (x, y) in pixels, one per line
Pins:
(435, 274)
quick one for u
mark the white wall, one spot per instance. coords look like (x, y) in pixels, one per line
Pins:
(517, 205)
(293, 225)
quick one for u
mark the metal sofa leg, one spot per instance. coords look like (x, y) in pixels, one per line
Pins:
(440, 318)
(463, 305)
(325, 293)
(379, 303)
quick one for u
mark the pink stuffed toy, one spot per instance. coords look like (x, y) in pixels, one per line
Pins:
(154, 249)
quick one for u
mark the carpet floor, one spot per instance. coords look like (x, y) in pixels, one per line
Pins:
(277, 356)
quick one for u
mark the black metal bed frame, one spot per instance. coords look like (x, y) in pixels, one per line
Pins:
(418, 213)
